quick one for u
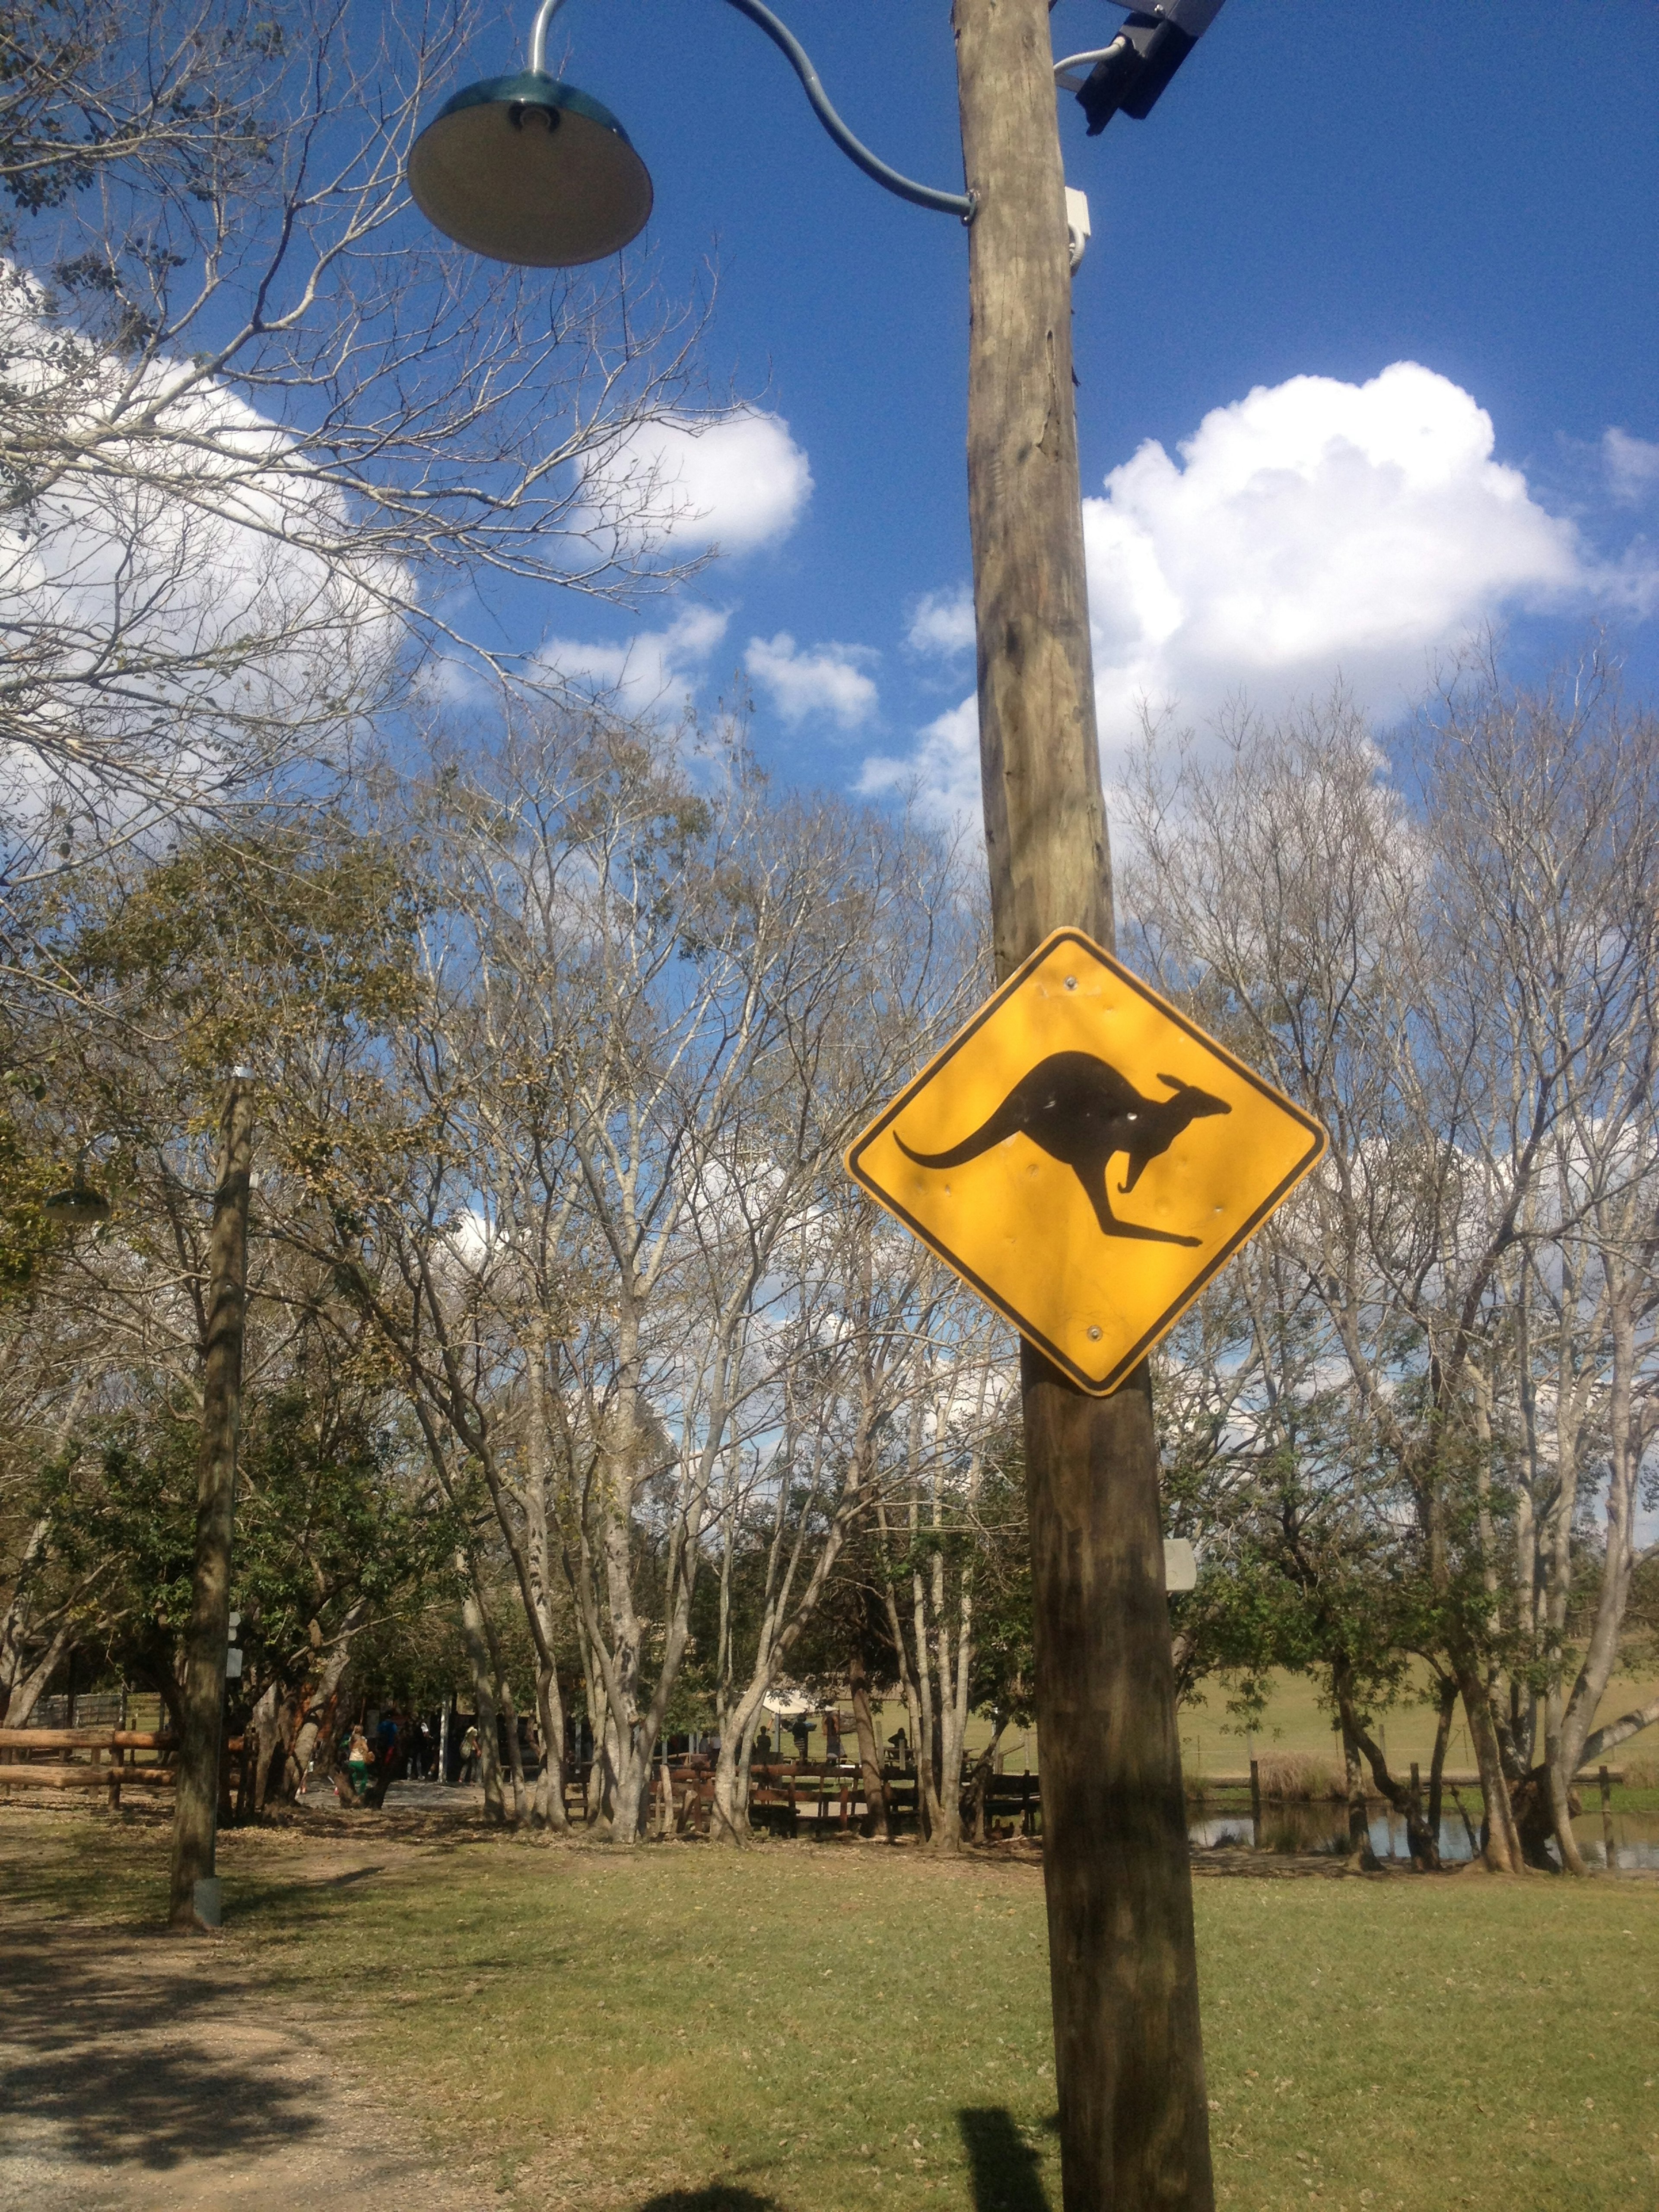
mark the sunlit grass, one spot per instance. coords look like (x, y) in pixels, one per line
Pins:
(810, 2024)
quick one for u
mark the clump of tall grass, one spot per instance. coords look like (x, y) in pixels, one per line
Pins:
(1298, 1778)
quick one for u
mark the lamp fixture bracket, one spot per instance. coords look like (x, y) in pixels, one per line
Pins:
(963, 204)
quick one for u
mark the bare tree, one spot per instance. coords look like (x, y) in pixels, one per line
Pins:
(959, 1375)
(1460, 990)
(655, 1006)
(265, 444)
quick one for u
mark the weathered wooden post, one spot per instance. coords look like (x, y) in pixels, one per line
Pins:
(1256, 1805)
(1134, 2119)
(196, 1806)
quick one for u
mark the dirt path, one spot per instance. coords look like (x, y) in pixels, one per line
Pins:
(145, 2071)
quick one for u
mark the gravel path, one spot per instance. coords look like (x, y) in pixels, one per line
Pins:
(148, 2071)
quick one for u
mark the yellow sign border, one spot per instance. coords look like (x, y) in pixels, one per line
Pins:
(1097, 1387)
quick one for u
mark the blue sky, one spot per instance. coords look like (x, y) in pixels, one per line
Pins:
(1447, 215)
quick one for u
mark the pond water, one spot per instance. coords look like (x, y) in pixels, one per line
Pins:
(1324, 1827)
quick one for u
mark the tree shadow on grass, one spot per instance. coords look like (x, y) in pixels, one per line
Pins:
(117, 2065)
(1006, 2172)
(719, 2198)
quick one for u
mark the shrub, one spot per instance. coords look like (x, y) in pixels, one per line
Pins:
(1298, 1778)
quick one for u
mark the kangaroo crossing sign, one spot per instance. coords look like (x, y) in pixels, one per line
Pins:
(1085, 1157)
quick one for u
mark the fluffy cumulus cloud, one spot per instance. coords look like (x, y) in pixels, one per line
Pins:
(826, 680)
(943, 771)
(942, 625)
(1311, 531)
(1633, 466)
(731, 483)
(653, 671)
(737, 481)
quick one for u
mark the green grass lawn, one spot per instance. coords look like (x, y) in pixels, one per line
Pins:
(828, 2028)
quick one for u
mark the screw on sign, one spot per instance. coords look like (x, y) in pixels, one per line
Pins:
(1004, 1156)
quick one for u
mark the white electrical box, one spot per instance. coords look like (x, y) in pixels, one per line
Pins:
(1077, 223)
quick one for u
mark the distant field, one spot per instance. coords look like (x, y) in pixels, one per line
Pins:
(1213, 1741)
(840, 2028)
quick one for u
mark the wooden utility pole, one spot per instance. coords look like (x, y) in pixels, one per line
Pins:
(1133, 2118)
(196, 1815)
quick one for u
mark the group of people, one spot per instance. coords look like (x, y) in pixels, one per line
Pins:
(800, 1730)
(401, 1749)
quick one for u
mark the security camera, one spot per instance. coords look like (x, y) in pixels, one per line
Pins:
(1131, 73)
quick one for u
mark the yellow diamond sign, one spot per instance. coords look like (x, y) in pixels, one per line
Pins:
(1085, 1157)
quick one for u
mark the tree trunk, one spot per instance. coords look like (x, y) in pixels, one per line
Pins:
(483, 1699)
(1422, 1840)
(509, 1712)
(22, 1679)
(320, 1722)
(1628, 1438)
(264, 1737)
(1360, 1854)
(928, 1810)
(196, 1799)
(1619, 1731)
(1501, 1844)
(548, 1810)
(501, 1690)
(909, 1688)
(1557, 1789)
(876, 1803)
(27, 1691)
(729, 1812)
(984, 1768)
(1133, 2112)
(1442, 1728)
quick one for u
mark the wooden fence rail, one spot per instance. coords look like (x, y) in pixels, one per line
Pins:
(111, 1763)
(799, 1796)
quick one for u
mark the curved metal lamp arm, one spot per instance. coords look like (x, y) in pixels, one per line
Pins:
(906, 188)
(1074, 68)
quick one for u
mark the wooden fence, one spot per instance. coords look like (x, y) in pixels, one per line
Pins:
(799, 1797)
(99, 1758)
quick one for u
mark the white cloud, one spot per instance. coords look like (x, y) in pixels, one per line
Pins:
(829, 679)
(1311, 530)
(1631, 464)
(943, 624)
(186, 608)
(653, 669)
(735, 480)
(944, 770)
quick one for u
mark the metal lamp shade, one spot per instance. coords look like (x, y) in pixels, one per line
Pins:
(80, 1206)
(528, 170)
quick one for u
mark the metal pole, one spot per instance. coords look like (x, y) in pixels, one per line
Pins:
(195, 1888)
(1133, 2121)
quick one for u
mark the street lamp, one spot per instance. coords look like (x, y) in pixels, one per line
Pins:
(528, 169)
(1129, 2069)
(80, 1206)
(1126, 76)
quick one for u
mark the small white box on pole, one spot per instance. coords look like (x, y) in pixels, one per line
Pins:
(1180, 1565)
(1076, 224)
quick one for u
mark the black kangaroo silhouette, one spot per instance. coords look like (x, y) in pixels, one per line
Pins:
(1081, 1111)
